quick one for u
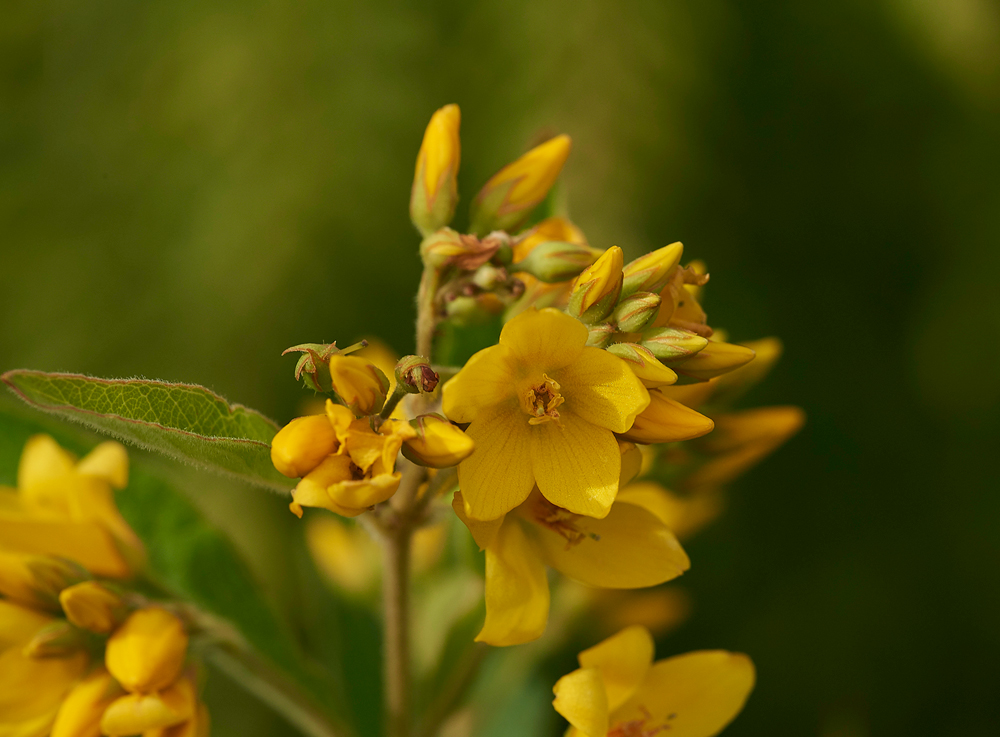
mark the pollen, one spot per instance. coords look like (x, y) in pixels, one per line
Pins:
(542, 401)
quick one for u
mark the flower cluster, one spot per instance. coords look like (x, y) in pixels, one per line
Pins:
(80, 653)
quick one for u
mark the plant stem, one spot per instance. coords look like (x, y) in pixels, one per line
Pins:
(396, 645)
(426, 317)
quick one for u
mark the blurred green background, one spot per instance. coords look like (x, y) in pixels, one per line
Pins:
(187, 188)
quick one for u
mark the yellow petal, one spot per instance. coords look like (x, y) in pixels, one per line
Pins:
(136, 713)
(517, 589)
(438, 444)
(483, 532)
(622, 661)
(715, 359)
(88, 543)
(544, 340)
(42, 459)
(18, 624)
(440, 150)
(302, 444)
(498, 476)
(147, 652)
(603, 390)
(667, 421)
(196, 726)
(631, 462)
(692, 695)
(81, 711)
(630, 548)
(551, 229)
(362, 445)
(576, 464)
(108, 461)
(366, 493)
(692, 395)
(359, 383)
(312, 491)
(91, 606)
(485, 381)
(684, 515)
(33, 688)
(644, 364)
(581, 699)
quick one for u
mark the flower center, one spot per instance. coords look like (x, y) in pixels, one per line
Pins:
(638, 728)
(560, 521)
(541, 401)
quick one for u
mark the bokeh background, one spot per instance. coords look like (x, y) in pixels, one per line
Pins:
(187, 188)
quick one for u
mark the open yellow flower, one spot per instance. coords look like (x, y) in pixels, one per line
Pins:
(629, 548)
(618, 691)
(66, 508)
(543, 410)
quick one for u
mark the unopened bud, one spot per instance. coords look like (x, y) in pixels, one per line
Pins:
(467, 311)
(147, 652)
(36, 580)
(438, 444)
(599, 335)
(415, 375)
(667, 421)
(488, 277)
(506, 200)
(650, 273)
(311, 367)
(149, 713)
(358, 382)
(635, 312)
(556, 261)
(715, 359)
(92, 606)
(435, 181)
(55, 640)
(669, 344)
(596, 290)
(644, 365)
(302, 444)
(446, 247)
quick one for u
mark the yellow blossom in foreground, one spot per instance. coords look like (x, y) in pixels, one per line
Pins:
(435, 181)
(618, 691)
(438, 444)
(513, 192)
(543, 410)
(359, 383)
(628, 548)
(66, 509)
(147, 652)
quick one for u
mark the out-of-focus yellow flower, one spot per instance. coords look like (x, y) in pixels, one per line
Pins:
(19, 623)
(138, 713)
(596, 291)
(666, 421)
(81, 712)
(345, 554)
(713, 360)
(438, 443)
(649, 273)
(435, 181)
(543, 410)
(510, 195)
(618, 690)
(147, 652)
(359, 383)
(36, 580)
(628, 548)
(66, 509)
(685, 514)
(660, 610)
(92, 606)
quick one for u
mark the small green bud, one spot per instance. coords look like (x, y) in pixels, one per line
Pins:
(312, 368)
(415, 375)
(636, 312)
(600, 334)
(556, 261)
(488, 277)
(671, 344)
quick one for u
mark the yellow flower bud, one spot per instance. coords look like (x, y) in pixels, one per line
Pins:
(672, 344)
(438, 444)
(359, 383)
(435, 181)
(667, 421)
(552, 262)
(137, 713)
(650, 273)
(636, 311)
(596, 290)
(36, 580)
(147, 652)
(80, 713)
(93, 607)
(644, 365)
(302, 444)
(510, 195)
(714, 359)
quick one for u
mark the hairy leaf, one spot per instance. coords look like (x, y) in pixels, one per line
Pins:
(187, 422)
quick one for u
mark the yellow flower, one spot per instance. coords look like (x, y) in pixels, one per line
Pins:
(137, 713)
(596, 291)
(66, 509)
(629, 548)
(667, 421)
(438, 444)
(618, 690)
(36, 580)
(543, 410)
(435, 181)
(510, 195)
(303, 443)
(147, 652)
(81, 712)
(359, 383)
(91, 606)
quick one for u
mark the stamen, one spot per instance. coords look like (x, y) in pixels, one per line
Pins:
(543, 401)
(561, 522)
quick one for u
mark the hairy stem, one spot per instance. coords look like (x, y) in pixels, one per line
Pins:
(426, 316)
(396, 646)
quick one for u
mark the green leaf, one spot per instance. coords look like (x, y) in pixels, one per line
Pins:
(184, 421)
